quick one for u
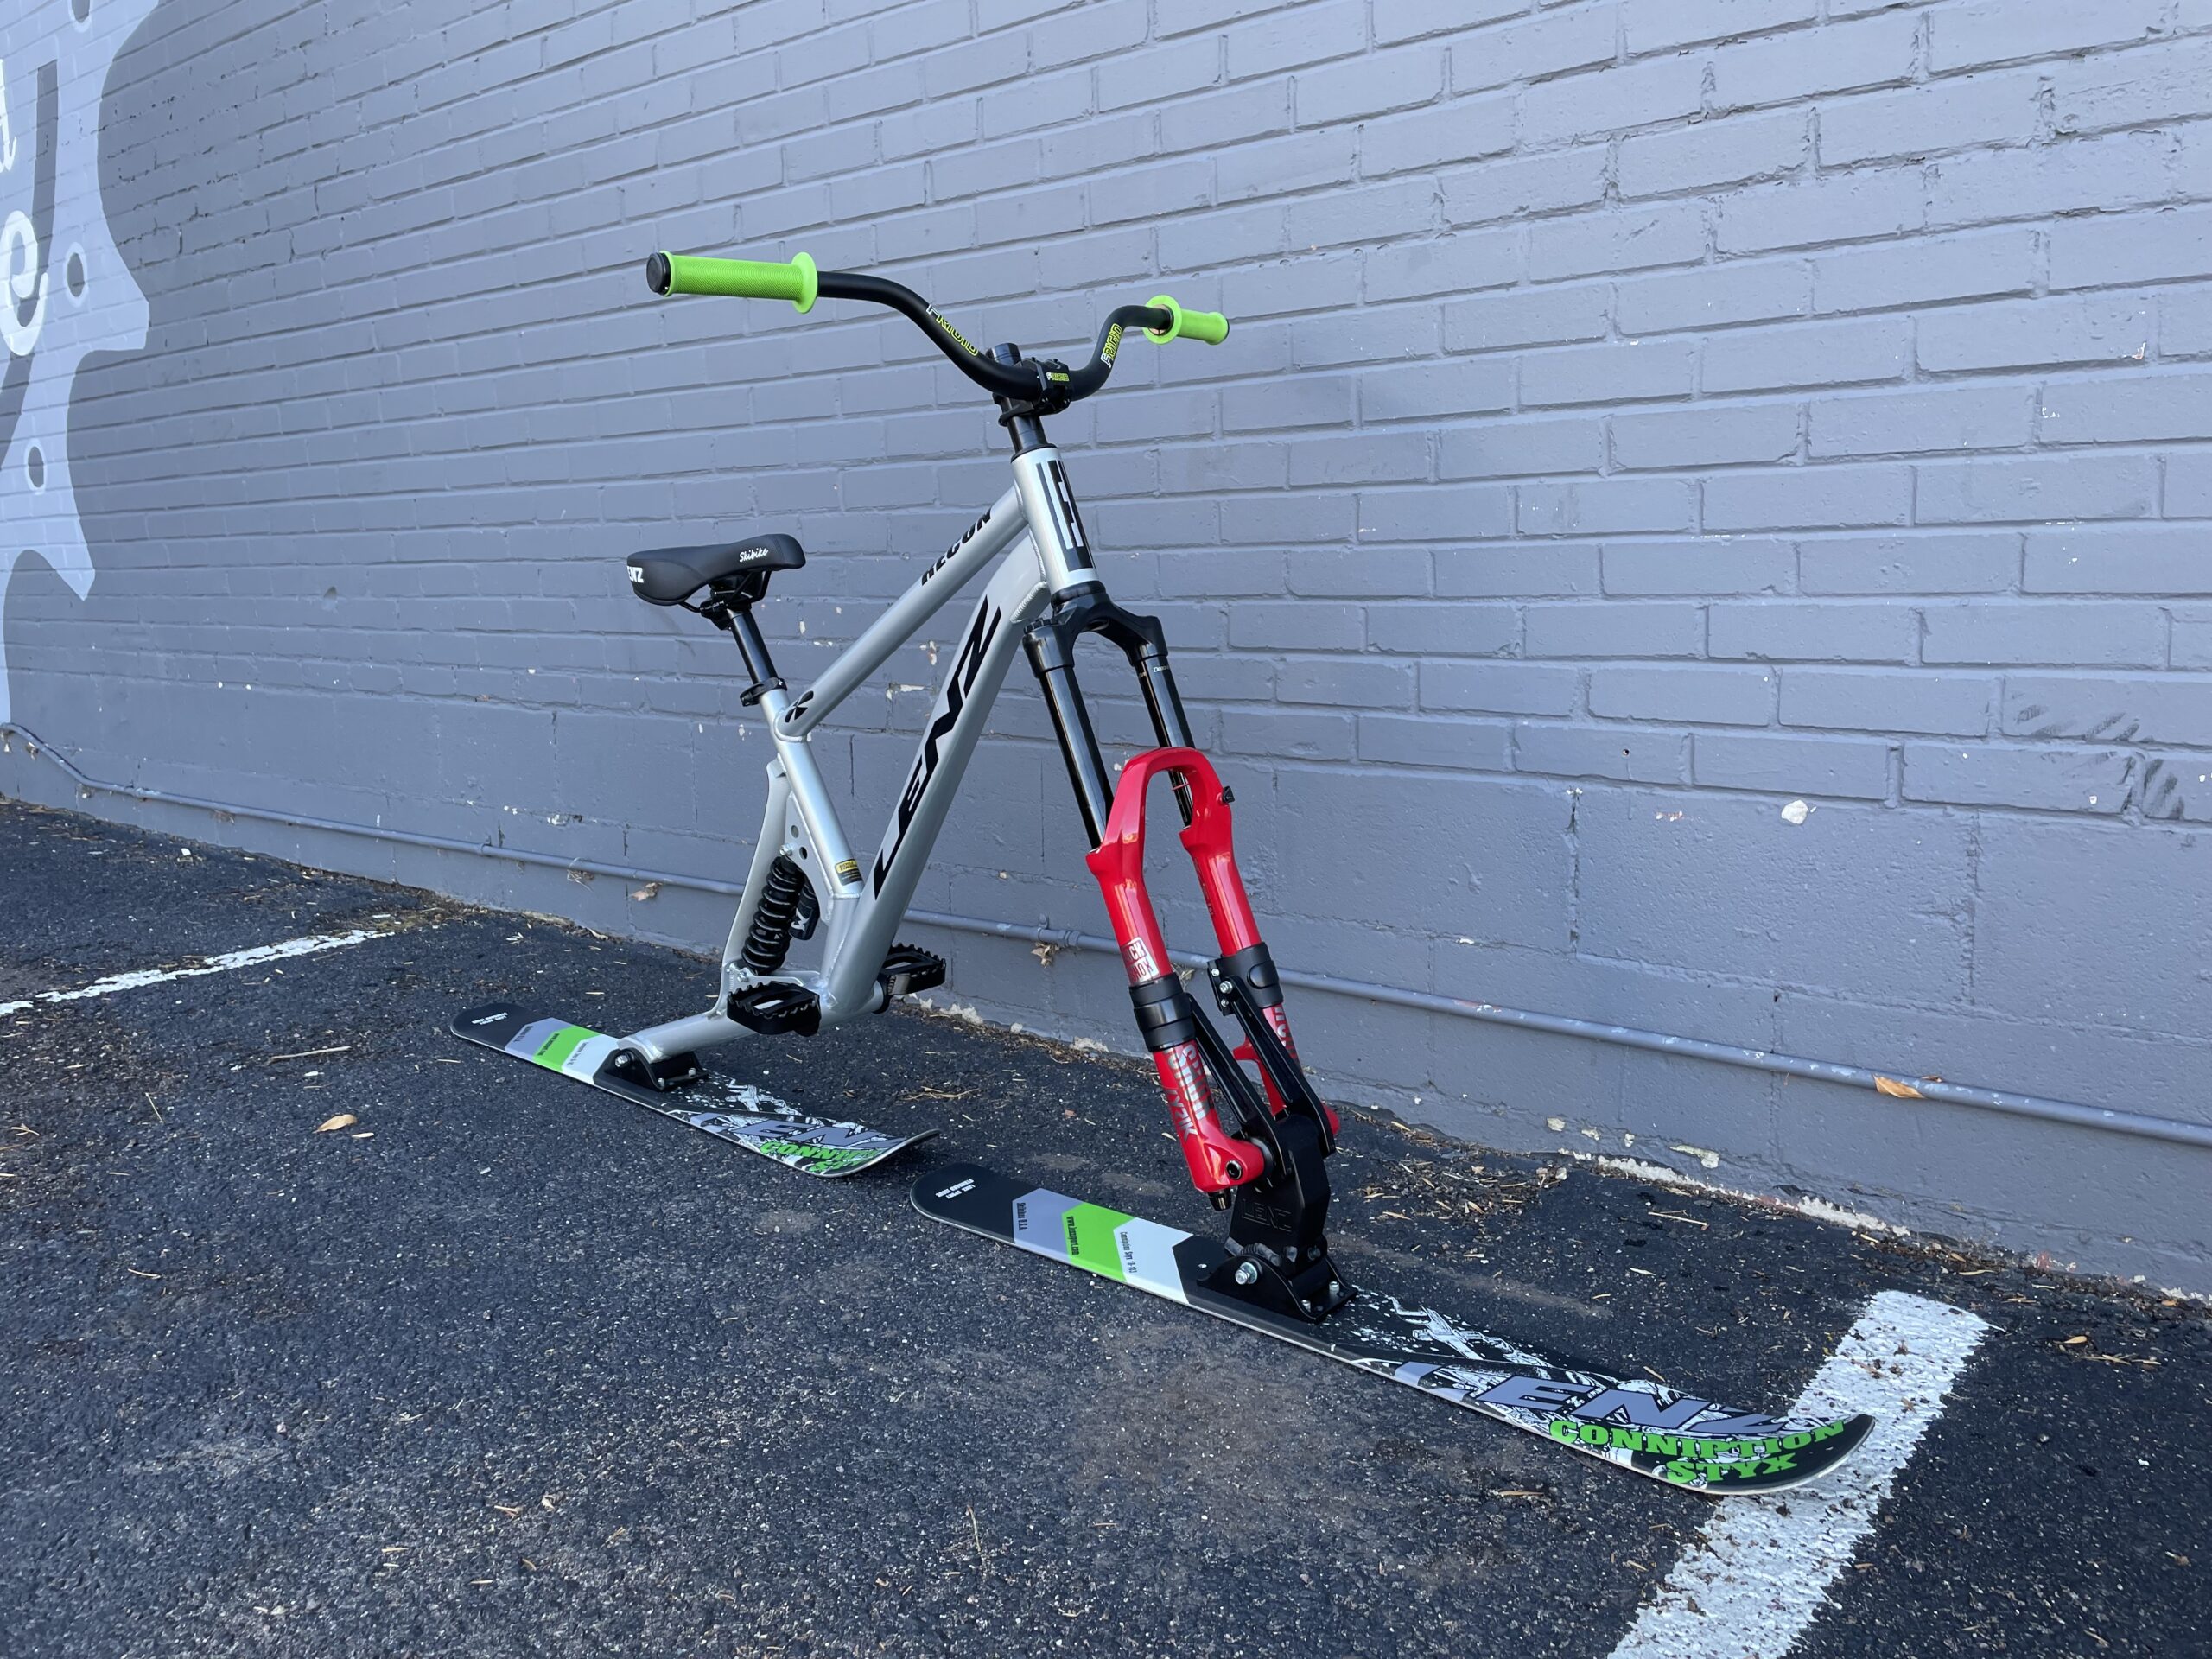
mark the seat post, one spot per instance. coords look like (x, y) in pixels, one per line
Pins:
(755, 649)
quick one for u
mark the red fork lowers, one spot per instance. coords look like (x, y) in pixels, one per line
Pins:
(1218, 1159)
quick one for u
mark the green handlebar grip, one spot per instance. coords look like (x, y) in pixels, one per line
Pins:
(1209, 326)
(745, 279)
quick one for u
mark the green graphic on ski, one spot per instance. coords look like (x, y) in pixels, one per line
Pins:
(742, 1115)
(1639, 1425)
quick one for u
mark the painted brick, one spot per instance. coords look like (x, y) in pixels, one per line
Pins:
(1641, 94)
(2189, 486)
(2041, 488)
(1784, 765)
(1844, 207)
(1540, 316)
(1830, 633)
(1808, 354)
(1611, 373)
(1809, 498)
(2173, 559)
(1699, 694)
(1872, 52)
(1889, 700)
(1616, 629)
(2177, 787)
(1438, 513)
(1930, 269)
(2128, 169)
(2001, 31)
(2105, 253)
(2054, 630)
(1370, 86)
(2138, 409)
(2161, 83)
(1442, 630)
(1712, 295)
(1303, 626)
(1628, 754)
(1656, 29)
(1712, 153)
(2110, 708)
(1980, 563)
(1425, 740)
(1548, 44)
(1500, 688)
(1607, 506)
(1921, 423)
(1510, 188)
(1952, 114)
(1444, 264)
(2192, 638)
(1459, 130)
(2185, 323)
(1345, 682)
(1720, 885)
(1624, 240)
(2038, 333)
(1518, 569)
(1710, 564)
(1705, 435)
(1431, 391)
(1996, 774)
(1411, 19)
(1521, 447)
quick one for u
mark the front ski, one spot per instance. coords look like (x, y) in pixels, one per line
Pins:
(744, 1115)
(1639, 1425)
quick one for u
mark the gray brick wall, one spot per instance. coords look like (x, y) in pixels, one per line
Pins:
(1641, 413)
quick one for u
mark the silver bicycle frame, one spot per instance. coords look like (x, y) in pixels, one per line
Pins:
(1035, 534)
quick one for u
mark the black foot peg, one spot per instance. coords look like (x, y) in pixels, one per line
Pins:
(775, 1008)
(909, 969)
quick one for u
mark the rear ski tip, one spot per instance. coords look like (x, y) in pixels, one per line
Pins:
(739, 1113)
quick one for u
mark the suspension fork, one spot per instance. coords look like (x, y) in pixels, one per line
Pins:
(1257, 1151)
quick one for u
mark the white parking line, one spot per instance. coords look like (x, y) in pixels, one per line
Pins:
(1748, 1585)
(306, 945)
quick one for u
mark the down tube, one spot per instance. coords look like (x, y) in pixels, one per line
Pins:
(1012, 602)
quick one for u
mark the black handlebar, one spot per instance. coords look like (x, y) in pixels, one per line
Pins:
(1023, 385)
(1031, 380)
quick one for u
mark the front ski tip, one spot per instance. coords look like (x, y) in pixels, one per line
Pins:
(1772, 1463)
(1662, 1434)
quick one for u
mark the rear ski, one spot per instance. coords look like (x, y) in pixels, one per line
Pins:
(740, 1113)
(1632, 1422)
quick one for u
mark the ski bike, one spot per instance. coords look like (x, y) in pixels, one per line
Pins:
(1257, 1141)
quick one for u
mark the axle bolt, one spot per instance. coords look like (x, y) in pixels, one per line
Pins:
(1247, 1273)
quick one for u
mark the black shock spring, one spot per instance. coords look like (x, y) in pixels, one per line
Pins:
(769, 939)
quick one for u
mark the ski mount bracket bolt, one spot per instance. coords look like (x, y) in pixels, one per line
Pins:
(1247, 1273)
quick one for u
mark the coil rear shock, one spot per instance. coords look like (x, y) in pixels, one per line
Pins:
(768, 941)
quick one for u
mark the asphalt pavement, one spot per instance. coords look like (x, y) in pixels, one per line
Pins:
(508, 1367)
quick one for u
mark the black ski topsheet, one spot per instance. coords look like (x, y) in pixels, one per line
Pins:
(1639, 1425)
(742, 1114)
